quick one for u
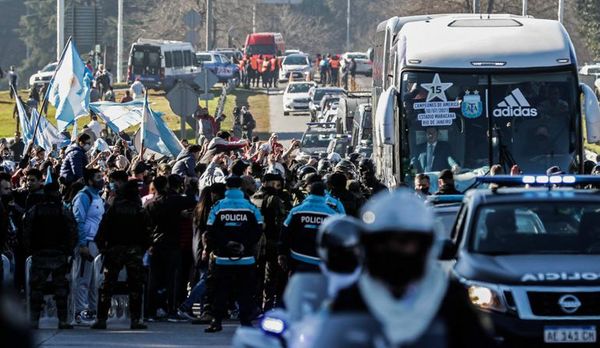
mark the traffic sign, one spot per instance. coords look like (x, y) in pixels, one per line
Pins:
(206, 79)
(192, 19)
(183, 100)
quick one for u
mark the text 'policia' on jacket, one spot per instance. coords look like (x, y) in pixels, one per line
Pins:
(299, 233)
(234, 227)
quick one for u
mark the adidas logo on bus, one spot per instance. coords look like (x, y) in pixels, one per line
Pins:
(515, 105)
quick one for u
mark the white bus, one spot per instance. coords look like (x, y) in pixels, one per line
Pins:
(464, 92)
(158, 63)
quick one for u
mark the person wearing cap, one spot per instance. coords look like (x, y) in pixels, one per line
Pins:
(297, 248)
(273, 210)
(446, 183)
(234, 227)
(403, 296)
(49, 236)
(185, 164)
(207, 127)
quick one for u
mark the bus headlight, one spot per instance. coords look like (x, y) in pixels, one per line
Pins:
(486, 297)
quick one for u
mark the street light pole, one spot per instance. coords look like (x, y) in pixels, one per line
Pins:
(561, 10)
(476, 6)
(348, 27)
(120, 41)
(254, 18)
(524, 12)
(209, 19)
(60, 27)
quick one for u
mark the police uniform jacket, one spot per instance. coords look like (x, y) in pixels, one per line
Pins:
(234, 227)
(299, 232)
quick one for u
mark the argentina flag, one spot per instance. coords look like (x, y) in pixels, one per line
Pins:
(156, 136)
(69, 89)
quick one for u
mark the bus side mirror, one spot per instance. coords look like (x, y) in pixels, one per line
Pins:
(592, 114)
(384, 117)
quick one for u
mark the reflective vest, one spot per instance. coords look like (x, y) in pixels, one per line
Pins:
(335, 64)
(254, 63)
(273, 63)
(265, 65)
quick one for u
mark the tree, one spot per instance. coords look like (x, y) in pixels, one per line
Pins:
(589, 11)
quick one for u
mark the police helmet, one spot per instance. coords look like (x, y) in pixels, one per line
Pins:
(398, 211)
(334, 158)
(338, 243)
(366, 166)
(324, 166)
(304, 171)
(347, 168)
(354, 157)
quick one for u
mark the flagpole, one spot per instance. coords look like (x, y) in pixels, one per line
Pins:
(142, 128)
(45, 101)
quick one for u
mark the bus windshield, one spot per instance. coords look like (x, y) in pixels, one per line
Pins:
(471, 121)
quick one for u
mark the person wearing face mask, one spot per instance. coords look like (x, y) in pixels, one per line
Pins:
(116, 180)
(273, 210)
(75, 160)
(88, 208)
(403, 298)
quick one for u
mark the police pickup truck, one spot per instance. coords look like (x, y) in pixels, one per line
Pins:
(530, 257)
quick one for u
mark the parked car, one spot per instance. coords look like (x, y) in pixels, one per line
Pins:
(43, 76)
(364, 65)
(219, 64)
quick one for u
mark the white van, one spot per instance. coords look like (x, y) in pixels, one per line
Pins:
(158, 63)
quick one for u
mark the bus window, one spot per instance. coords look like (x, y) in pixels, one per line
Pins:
(168, 59)
(177, 59)
(138, 62)
(187, 58)
(153, 59)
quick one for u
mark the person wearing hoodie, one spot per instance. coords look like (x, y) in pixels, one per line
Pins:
(185, 165)
(220, 144)
(75, 160)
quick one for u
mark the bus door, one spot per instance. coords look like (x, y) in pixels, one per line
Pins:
(146, 63)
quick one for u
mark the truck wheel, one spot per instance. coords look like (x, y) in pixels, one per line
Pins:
(286, 113)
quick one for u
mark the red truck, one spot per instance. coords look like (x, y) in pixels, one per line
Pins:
(266, 44)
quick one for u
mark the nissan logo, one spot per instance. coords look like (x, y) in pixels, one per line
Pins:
(569, 303)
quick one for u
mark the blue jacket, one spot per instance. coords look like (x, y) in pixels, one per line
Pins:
(185, 164)
(73, 164)
(88, 220)
(234, 227)
(299, 233)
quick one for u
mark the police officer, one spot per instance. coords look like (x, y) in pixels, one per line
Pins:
(404, 294)
(122, 238)
(339, 248)
(234, 227)
(273, 210)
(297, 244)
(49, 236)
(370, 184)
(337, 189)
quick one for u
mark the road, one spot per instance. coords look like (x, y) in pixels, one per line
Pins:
(163, 335)
(292, 126)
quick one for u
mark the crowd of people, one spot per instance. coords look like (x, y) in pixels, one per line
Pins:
(232, 210)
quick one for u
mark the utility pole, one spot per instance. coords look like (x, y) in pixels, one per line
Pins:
(476, 6)
(348, 27)
(120, 41)
(254, 18)
(209, 26)
(524, 12)
(60, 27)
(561, 10)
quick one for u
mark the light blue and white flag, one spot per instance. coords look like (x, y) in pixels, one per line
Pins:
(24, 123)
(156, 136)
(47, 134)
(69, 90)
(119, 116)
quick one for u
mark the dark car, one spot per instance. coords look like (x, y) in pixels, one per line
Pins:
(528, 257)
